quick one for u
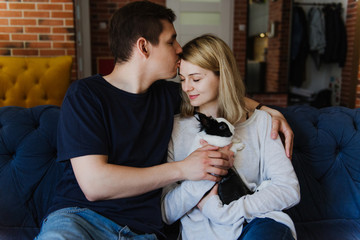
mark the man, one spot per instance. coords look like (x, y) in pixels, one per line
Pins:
(113, 135)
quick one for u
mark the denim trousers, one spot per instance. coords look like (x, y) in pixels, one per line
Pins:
(265, 229)
(82, 223)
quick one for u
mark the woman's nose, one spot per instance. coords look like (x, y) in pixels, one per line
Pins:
(187, 86)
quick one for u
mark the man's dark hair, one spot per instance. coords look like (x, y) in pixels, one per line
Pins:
(134, 20)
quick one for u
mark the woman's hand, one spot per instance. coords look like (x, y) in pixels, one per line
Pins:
(213, 192)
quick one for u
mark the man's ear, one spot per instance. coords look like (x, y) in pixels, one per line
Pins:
(142, 45)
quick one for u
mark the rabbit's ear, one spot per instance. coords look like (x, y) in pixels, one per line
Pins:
(202, 118)
(205, 121)
(196, 115)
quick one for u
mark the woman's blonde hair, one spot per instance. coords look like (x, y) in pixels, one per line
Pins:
(212, 53)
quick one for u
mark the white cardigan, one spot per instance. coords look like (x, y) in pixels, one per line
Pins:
(263, 166)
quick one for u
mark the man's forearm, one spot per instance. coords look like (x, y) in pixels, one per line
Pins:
(250, 104)
(102, 181)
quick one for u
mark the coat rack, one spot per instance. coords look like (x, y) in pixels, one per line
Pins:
(315, 4)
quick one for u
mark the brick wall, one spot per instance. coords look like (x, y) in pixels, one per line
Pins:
(350, 94)
(240, 36)
(100, 15)
(278, 51)
(37, 28)
(356, 5)
(357, 104)
(277, 99)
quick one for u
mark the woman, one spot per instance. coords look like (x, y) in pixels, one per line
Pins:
(212, 85)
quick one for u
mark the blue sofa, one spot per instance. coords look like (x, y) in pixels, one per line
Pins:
(326, 159)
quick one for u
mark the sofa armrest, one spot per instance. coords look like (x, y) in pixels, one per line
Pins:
(28, 167)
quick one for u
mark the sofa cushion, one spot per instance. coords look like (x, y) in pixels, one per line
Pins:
(335, 229)
(33, 81)
(28, 168)
(18, 233)
(326, 159)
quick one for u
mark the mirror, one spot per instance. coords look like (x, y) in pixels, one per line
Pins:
(268, 39)
(257, 45)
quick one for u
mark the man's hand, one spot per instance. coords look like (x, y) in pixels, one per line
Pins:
(281, 127)
(226, 150)
(207, 163)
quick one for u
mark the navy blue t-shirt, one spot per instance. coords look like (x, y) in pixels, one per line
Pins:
(131, 129)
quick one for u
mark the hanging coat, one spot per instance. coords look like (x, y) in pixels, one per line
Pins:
(335, 31)
(317, 39)
(299, 47)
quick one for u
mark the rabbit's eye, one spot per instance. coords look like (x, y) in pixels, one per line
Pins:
(222, 127)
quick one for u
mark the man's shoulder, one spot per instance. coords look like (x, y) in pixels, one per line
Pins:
(169, 91)
(166, 84)
(87, 81)
(81, 83)
(86, 85)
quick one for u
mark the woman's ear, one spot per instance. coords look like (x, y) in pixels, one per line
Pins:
(142, 46)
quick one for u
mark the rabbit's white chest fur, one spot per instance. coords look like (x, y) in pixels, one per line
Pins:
(221, 141)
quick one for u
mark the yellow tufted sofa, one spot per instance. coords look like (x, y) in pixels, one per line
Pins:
(33, 81)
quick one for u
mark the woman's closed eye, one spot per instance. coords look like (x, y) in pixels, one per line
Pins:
(194, 80)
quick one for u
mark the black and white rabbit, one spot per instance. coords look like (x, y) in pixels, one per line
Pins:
(219, 132)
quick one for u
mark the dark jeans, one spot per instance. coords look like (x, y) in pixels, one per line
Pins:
(265, 229)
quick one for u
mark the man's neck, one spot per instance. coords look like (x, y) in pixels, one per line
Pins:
(129, 77)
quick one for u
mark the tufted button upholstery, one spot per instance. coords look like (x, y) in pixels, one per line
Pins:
(326, 159)
(28, 168)
(33, 81)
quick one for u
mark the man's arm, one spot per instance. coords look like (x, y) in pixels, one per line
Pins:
(279, 125)
(100, 180)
